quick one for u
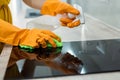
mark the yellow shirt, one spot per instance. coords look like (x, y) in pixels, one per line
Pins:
(5, 11)
(4, 14)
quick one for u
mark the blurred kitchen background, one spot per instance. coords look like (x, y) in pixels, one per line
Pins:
(107, 11)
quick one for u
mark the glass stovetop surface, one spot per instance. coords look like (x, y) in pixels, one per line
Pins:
(74, 58)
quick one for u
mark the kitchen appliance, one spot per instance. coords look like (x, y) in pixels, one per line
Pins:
(97, 56)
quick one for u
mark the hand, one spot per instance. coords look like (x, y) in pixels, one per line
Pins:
(54, 7)
(37, 38)
(66, 21)
(15, 36)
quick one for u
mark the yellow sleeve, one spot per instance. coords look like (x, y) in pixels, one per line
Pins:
(5, 13)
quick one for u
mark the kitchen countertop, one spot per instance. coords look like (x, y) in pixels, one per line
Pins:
(92, 30)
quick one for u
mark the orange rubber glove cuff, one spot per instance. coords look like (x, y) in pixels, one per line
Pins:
(8, 33)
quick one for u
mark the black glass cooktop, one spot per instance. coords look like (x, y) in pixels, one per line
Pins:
(74, 58)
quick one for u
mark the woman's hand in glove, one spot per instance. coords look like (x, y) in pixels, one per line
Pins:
(54, 7)
(15, 36)
(37, 38)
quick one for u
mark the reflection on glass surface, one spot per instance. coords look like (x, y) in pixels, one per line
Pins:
(98, 56)
(43, 62)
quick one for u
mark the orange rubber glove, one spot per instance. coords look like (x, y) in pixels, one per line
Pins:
(54, 7)
(12, 35)
(69, 22)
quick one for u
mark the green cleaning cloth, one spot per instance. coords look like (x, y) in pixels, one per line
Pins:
(26, 48)
(58, 44)
(31, 49)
